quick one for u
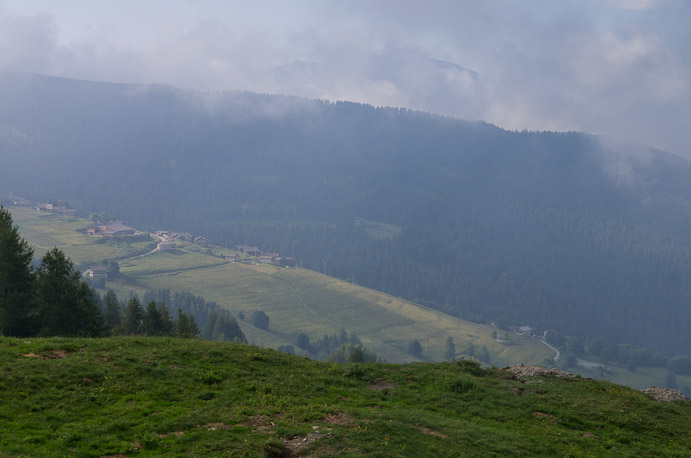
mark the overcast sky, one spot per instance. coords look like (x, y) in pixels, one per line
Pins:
(616, 67)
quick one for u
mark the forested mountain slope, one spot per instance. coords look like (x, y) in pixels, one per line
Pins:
(554, 230)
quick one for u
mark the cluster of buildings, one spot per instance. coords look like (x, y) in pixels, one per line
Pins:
(168, 242)
(113, 229)
(525, 331)
(261, 257)
(47, 207)
(96, 272)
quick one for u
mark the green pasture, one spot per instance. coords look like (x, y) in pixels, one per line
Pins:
(300, 300)
(160, 397)
(642, 377)
(46, 230)
(167, 262)
(380, 231)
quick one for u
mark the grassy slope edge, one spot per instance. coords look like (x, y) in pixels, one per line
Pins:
(142, 396)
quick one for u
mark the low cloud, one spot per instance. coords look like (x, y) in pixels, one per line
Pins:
(27, 43)
(620, 68)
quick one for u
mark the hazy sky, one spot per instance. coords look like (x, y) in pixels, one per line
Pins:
(615, 67)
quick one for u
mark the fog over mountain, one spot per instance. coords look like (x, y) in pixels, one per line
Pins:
(614, 67)
(555, 230)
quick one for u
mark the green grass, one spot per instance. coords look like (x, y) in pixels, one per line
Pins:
(168, 397)
(175, 260)
(46, 230)
(381, 231)
(642, 377)
(300, 300)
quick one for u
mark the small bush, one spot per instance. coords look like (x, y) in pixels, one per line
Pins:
(471, 367)
(257, 356)
(208, 377)
(207, 396)
(260, 319)
(356, 371)
(461, 386)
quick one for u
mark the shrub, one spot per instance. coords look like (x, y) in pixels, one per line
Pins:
(461, 386)
(471, 367)
(260, 319)
(414, 348)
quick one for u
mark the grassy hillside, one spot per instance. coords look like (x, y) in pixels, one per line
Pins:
(166, 397)
(643, 377)
(46, 230)
(296, 300)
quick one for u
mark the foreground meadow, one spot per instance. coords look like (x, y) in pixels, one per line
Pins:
(139, 396)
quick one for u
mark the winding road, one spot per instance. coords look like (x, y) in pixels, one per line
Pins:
(557, 354)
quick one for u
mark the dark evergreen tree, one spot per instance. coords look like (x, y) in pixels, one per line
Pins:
(260, 319)
(575, 345)
(349, 353)
(112, 312)
(16, 277)
(66, 304)
(132, 319)
(680, 365)
(303, 341)
(156, 320)
(227, 329)
(186, 327)
(414, 348)
(167, 321)
(554, 338)
(209, 328)
(483, 355)
(449, 348)
(596, 345)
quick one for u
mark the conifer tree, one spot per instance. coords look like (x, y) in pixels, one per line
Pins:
(156, 320)
(16, 278)
(450, 351)
(186, 326)
(133, 317)
(112, 312)
(66, 304)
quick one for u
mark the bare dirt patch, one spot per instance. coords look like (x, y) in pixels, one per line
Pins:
(172, 433)
(52, 354)
(546, 416)
(518, 390)
(431, 432)
(339, 419)
(295, 444)
(33, 355)
(380, 386)
(214, 426)
(259, 423)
